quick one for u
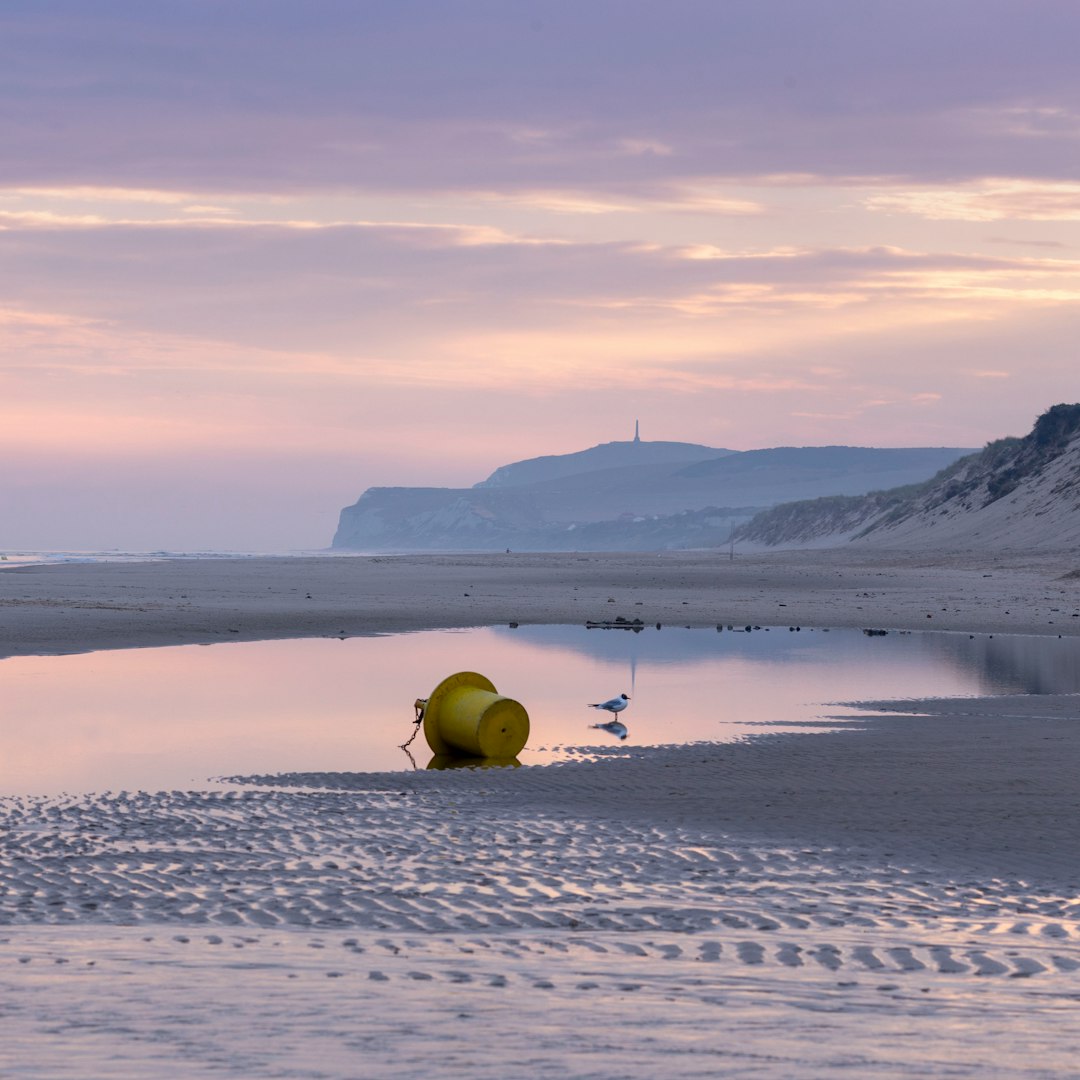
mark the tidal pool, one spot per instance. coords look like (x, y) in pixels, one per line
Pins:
(177, 717)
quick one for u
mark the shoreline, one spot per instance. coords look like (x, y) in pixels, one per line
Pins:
(956, 788)
(47, 609)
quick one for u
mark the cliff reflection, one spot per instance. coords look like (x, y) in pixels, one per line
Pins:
(1015, 665)
(983, 664)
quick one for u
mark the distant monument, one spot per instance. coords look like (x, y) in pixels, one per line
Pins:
(637, 431)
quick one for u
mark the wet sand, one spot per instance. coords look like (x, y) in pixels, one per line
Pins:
(76, 607)
(896, 899)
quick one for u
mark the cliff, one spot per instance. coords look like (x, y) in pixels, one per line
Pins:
(630, 496)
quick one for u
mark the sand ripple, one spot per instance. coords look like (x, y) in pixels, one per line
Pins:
(900, 902)
(437, 863)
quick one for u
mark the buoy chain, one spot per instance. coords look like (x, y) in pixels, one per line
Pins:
(417, 722)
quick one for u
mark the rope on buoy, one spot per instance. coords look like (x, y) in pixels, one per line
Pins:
(419, 705)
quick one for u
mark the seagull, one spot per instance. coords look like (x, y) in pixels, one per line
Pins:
(615, 705)
(615, 727)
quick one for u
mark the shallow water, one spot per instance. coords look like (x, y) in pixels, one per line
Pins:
(9, 559)
(175, 717)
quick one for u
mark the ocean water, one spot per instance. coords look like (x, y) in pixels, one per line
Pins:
(175, 717)
(12, 558)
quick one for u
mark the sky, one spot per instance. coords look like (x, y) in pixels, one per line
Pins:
(256, 257)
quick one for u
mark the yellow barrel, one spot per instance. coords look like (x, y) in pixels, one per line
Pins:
(466, 716)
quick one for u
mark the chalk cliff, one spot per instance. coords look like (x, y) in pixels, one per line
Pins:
(627, 496)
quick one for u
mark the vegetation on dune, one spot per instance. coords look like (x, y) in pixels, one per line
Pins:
(1052, 433)
(968, 484)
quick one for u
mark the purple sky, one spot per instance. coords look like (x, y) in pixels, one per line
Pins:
(255, 258)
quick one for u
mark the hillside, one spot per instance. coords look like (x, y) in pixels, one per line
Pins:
(1018, 493)
(631, 496)
(612, 455)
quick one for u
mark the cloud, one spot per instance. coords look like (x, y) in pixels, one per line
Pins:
(986, 200)
(424, 96)
(46, 219)
(420, 295)
(1032, 122)
(1026, 242)
(683, 197)
(713, 253)
(803, 414)
(89, 193)
(634, 147)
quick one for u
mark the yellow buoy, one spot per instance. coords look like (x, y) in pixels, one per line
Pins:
(466, 716)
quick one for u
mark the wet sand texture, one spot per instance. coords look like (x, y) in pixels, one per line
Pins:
(901, 898)
(725, 905)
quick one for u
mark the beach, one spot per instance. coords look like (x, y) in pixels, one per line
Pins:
(72, 608)
(897, 898)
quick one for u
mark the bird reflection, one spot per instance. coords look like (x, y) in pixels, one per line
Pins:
(614, 727)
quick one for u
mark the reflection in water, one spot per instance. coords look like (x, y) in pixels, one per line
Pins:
(613, 727)
(1023, 665)
(169, 717)
(992, 664)
(446, 761)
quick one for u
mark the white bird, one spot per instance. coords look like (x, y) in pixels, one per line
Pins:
(614, 727)
(615, 705)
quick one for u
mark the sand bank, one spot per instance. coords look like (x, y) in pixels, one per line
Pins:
(72, 608)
